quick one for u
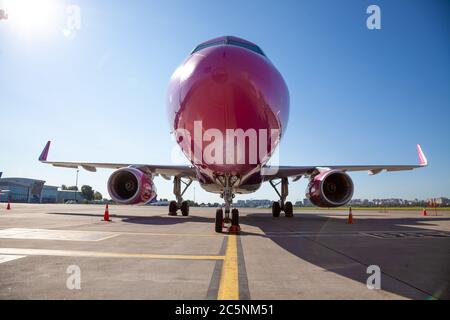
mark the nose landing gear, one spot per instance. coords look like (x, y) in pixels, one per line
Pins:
(230, 224)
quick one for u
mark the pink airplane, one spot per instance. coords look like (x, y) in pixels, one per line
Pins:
(228, 107)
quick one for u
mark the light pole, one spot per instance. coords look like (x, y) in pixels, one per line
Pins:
(76, 186)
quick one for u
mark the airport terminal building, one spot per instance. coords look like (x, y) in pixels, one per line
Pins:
(27, 190)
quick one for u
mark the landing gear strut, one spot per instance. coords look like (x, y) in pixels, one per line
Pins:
(179, 203)
(224, 221)
(278, 206)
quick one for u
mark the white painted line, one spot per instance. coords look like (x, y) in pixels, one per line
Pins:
(46, 234)
(9, 257)
(96, 254)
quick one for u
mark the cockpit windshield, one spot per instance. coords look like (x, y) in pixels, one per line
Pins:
(230, 41)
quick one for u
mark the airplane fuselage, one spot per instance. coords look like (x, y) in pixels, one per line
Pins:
(228, 106)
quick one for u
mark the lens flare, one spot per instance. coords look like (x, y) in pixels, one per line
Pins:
(32, 16)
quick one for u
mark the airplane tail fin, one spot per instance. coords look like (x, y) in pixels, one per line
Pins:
(422, 159)
(44, 153)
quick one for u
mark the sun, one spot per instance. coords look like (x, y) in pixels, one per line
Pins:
(32, 16)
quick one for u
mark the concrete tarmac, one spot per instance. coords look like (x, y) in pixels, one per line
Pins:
(59, 251)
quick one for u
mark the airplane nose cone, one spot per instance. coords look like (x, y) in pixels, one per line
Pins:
(228, 87)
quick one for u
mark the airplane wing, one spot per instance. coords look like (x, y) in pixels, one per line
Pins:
(166, 171)
(298, 171)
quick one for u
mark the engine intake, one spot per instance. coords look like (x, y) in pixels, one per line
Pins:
(331, 188)
(131, 186)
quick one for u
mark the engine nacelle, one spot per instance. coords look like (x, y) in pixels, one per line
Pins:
(131, 186)
(331, 188)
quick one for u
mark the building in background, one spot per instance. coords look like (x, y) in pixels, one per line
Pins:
(21, 190)
(49, 194)
(27, 190)
(69, 195)
(440, 202)
(254, 203)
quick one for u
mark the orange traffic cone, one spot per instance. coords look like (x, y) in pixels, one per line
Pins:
(424, 212)
(234, 229)
(8, 207)
(106, 214)
(350, 216)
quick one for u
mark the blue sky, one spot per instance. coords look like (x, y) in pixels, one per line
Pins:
(358, 96)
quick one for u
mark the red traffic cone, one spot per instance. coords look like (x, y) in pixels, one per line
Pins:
(350, 216)
(8, 207)
(106, 214)
(424, 212)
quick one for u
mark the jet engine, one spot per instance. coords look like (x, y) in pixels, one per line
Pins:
(131, 186)
(330, 188)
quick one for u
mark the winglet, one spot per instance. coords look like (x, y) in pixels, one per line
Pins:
(422, 159)
(43, 156)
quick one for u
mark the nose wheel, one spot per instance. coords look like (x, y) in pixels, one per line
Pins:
(230, 226)
(219, 220)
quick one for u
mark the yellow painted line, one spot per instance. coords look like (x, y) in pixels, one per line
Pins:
(95, 254)
(229, 281)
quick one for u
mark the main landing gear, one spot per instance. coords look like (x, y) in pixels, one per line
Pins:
(179, 203)
(278, 206)
(223, 219)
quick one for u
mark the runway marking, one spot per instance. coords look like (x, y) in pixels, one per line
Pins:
(96, 254)
(229, 281)
(115, 232)
(392, 234)
(47, 234)
(9, 257)
(409, 234)
(171, 234)
(244, 291)
(214, 284)
(312, 234)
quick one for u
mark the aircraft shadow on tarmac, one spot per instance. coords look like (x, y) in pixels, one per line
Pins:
(403, 248)
(413, 259)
